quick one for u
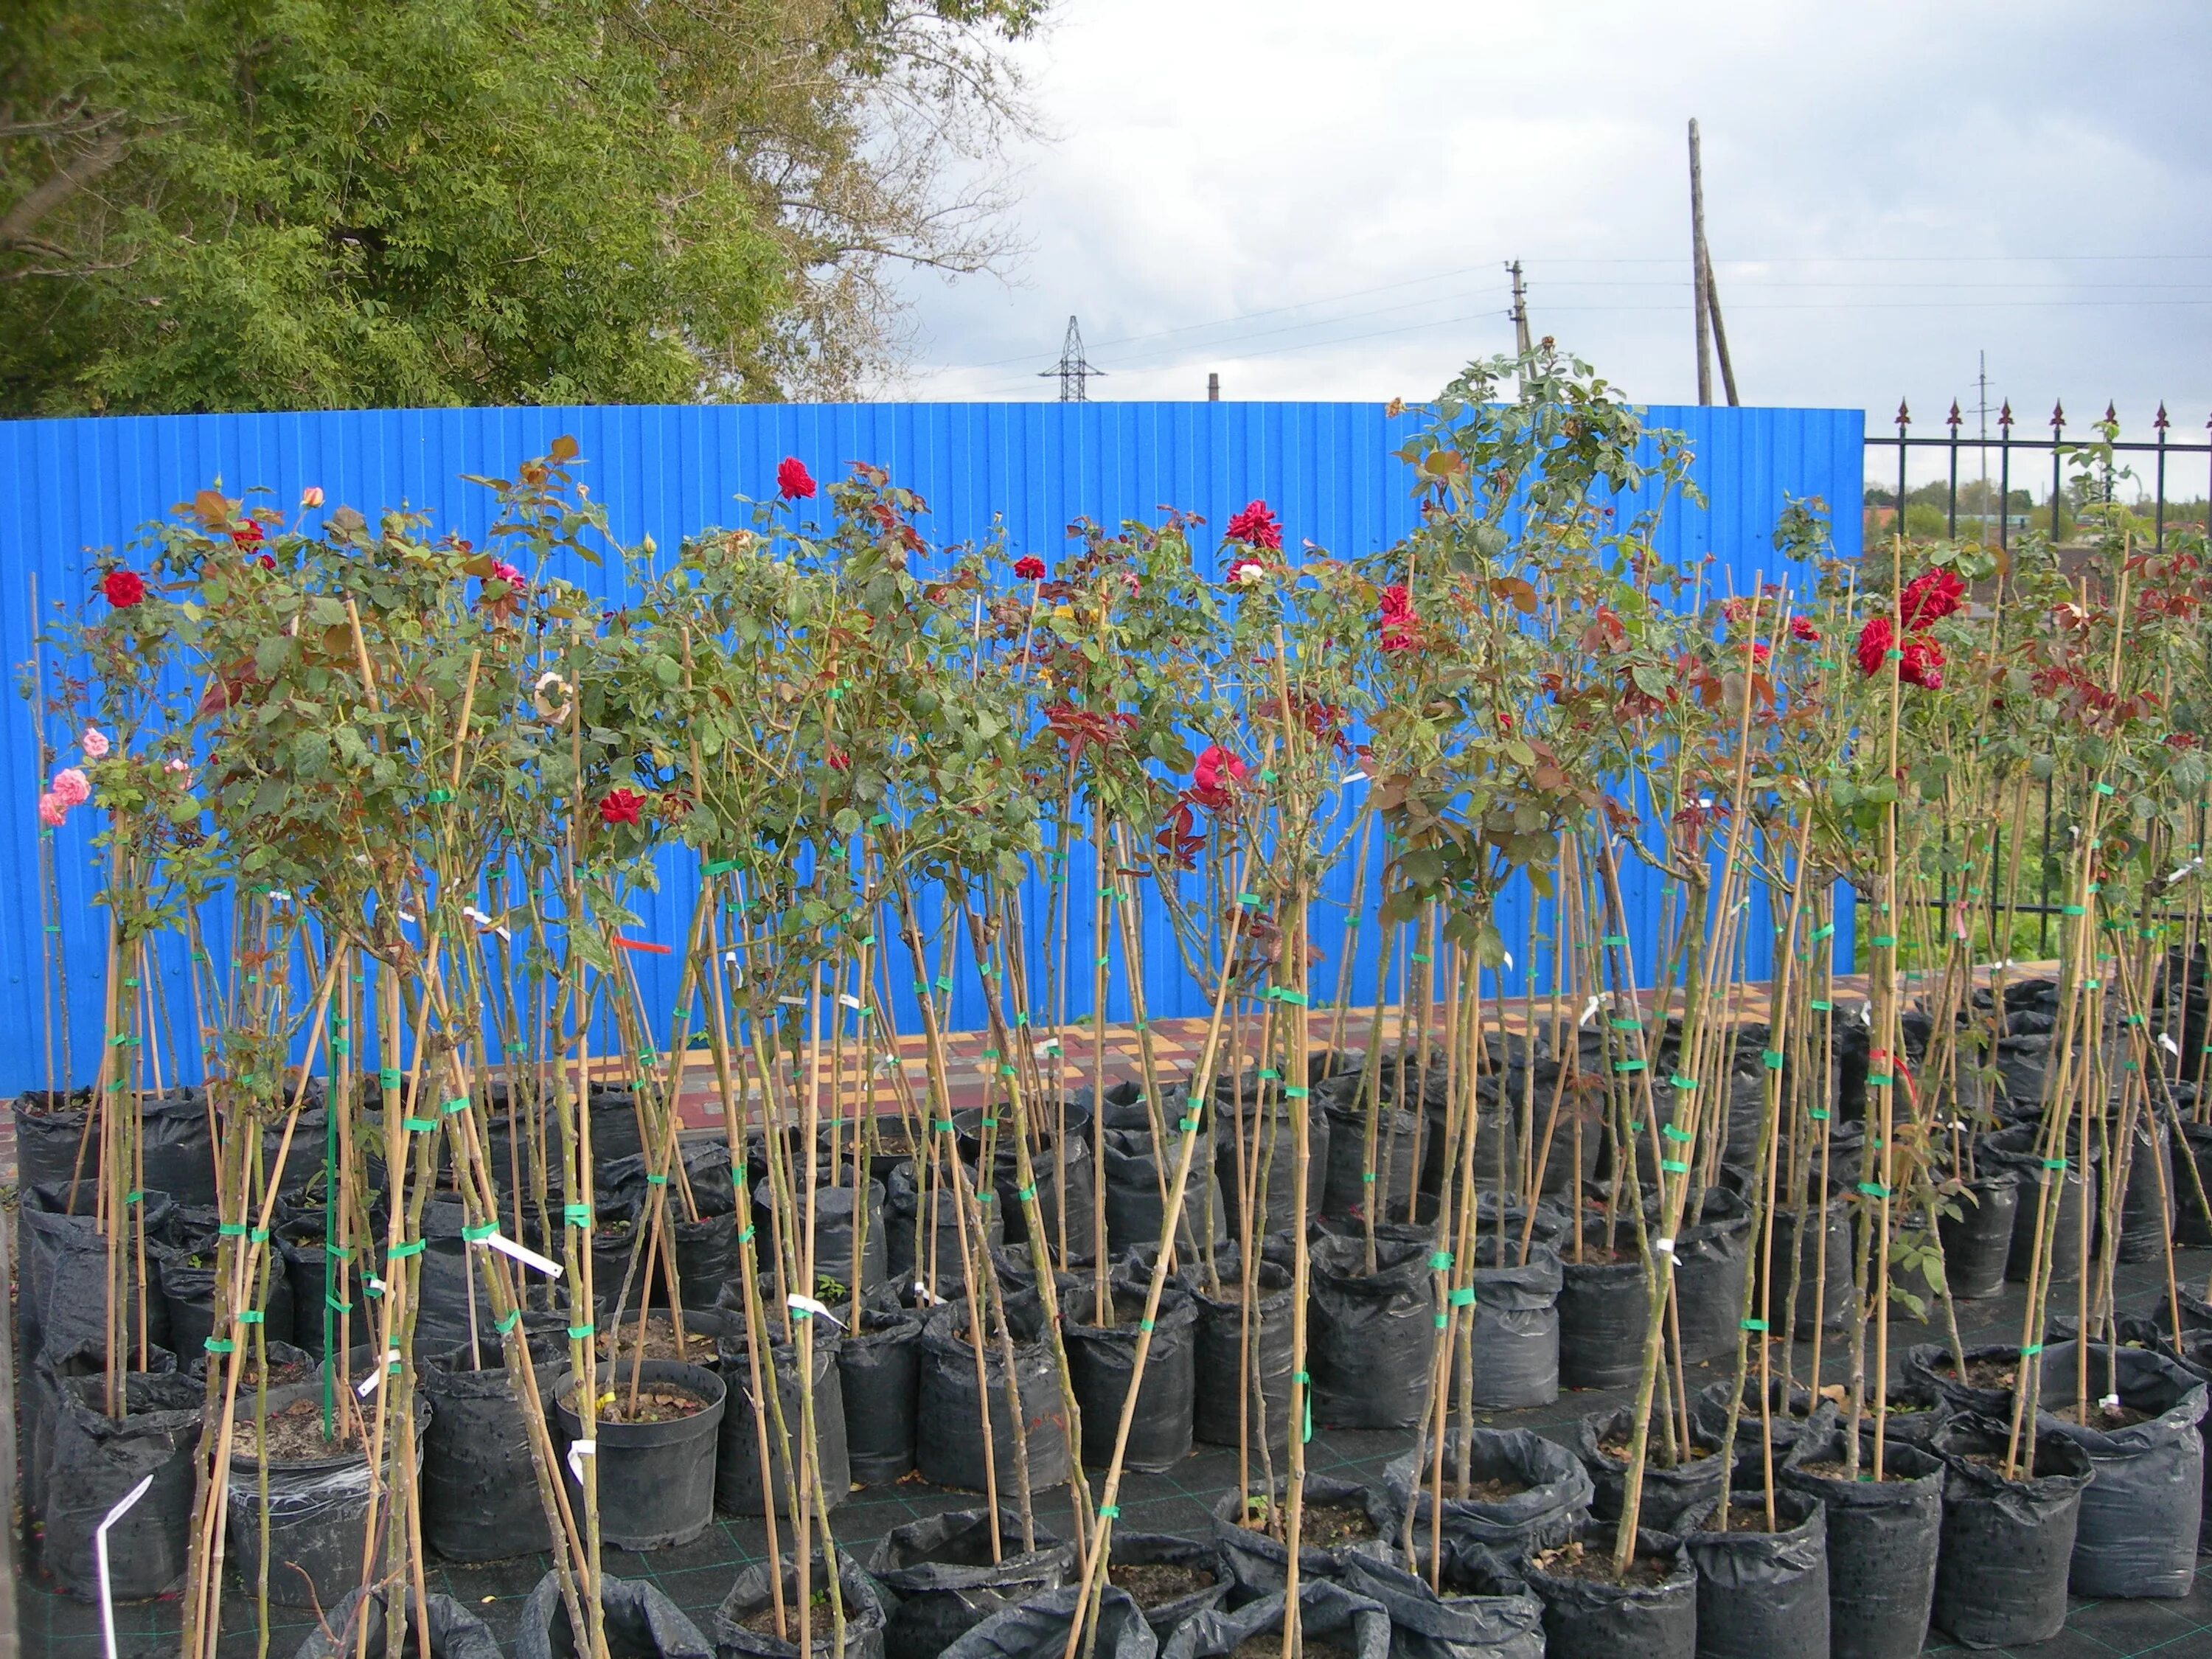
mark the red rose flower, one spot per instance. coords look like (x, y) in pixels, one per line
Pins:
(1930, 597)
(123, 588)
(1245, 572)
(1257, 526)
(1028, 568)
(1759, 654)
(840, 761)
(1210, 780)
(247, 534)
(1801, 628)
(620, 807)
(1923, 664)
(1397, 621)
(1874, 640)
(793, 481)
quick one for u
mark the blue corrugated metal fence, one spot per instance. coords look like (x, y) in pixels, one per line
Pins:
(1028, 469)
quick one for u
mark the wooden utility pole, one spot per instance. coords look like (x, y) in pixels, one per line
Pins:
(1520, 312)
(1705, 300)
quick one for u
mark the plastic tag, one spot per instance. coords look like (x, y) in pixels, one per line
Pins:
(528, 1258)
(577, 1451)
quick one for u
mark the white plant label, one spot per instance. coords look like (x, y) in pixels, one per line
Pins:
(528, 1257)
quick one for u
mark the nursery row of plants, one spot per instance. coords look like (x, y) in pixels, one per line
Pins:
(371, 1231)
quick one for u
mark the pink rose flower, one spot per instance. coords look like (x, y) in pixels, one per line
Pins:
(94, 743)
(71, 787)
(51, 812)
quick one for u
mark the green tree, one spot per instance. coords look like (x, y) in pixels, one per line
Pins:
(245, 205)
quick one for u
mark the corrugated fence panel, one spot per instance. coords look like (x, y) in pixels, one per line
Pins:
(1026, 470)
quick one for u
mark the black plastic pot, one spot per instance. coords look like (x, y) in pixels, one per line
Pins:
(1220, 1413)
(737, 1488)
(1369, 1335)
(656, 1480)
(1827, 1227)
(1761, 1594)
(1136, 1549)
(307, 1264)
(1554, 1498)
(1515, 1336)
(2140, 1518)
(61, 1287)
(1978, 1241)
(52, 1146)
(1602, 1618)
(1882, 1542)
(1268, 1155)
(1711, 1256)
(1349, 1623)
(837, 1210)
(2000, 1573)
(2193, 1224)
(2146, 1206)
(1668, 1494)
(480, 1497)
(177, 1147)
(879, 1374)
(949, 1421)
(2014, 1149)
(1345, 1187)
(1484, 1611)
(1930, 1363)
(940, 1582)
(640, 1622)
(1101, 1362)
(1791, 1413)
(187, 1273)
(452, 1631)
(1066, 1184)
(937, 1251)
(317, 1509)
(1917, 1412)
(1258, 1562)
(1138, 1170)
(90, 1462)
(1603, 1305)
(755, 1591)
(1038, 1627)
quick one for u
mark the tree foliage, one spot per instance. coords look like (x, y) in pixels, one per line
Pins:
(252, 204)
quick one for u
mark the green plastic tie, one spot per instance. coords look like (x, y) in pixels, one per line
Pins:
(943, 1126)
(1873, 1190)
(1674, 1134)
(1773, 1058)
(576, 1215)
(1367, 1177)
(2056, 1165)
(418, 1125)
(656, 1181)
(1292, 1092)
(258, 1236)
(1822, 1007)
(719, 868)
(1027, 1195)
(581, 1333)
(1620, 940)
(1629, 1065)
(1626, 1025)
(746, 1237)
(400, 1252)
(2031, 1351)
(1758, 1325)
(1271, 1074)
(1879, 1080)
(1284, 994)
(1110, 1511)
(2073, 910)
(250, 1316)
(1440, 1262)
(231, 1230)
(477, 1235)
(503, 1326)
(1247, 898)
(329, 1301)
(1672, 1168)
(1818, 1114)
(219, 1345)
(2104, 789)
(1826, 932)
(1420, 957)
(1143, 1324)
(1464, 1298)
(137, 1195)
(879, 820)
(1884, 941)
(1681, 1082)
(1188, 1125)
(458, 1103)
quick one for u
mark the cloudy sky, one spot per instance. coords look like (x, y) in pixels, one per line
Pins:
(1316, 199)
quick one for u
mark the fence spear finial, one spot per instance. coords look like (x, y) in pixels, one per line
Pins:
(2158, 422)
(2058, 416)
(1952, 419)
(2111, 418)
(1904, 416)
(2004, 414)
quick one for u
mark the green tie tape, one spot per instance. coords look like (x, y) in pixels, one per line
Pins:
(1247, 898)
(656, 1181)
(2057, 1165)
(1873, 1190)
(1821, 1007)
(458, 1103)
(1672, 1168)
(1145, 1325)
(719, 868)
(1758, 1325)
(503, 1326)
(1440, 1262)
(219, 1345)
(1884, 941)
(1620, 940)
(2073, 910)
(1828, 931)
(1464, 1298)
(2031, 1351)
(1818, 1115)
(1626, 1024)
(400, 1252)
(387, 1077)
(581, 1333)
(418, 1125)
(438, 797)
(1110, 1511)
(250, 1316)
(2104, 788)
(1681, 1082)
(1879, 1080)
(1628, 1065)
(1771, 1058)
(1027, 1195)
(576, 1215)
(1292, 1092)
(1673, 1133)
(231, 1230)
(1284, 994)
(477, 1235)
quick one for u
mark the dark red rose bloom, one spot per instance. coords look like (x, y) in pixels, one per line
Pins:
(1028, 568)
(1923, 664)
(266, 562)
(1210, 780)
(793, 481)
(1930, 597)
(1874, 640)
(1801, 628)
(840, 761)
(1759, 654)
(1397, 621)
(123, 588)
(247, 534)
(620, 807)
(1257, 526)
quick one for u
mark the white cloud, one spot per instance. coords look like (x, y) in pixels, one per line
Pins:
(1891, 187)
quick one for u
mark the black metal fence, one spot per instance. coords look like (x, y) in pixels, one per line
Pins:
(2168, 461)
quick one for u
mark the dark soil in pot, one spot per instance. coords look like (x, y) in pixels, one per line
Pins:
(744, 1624)
(1335, 1517)
(1603, 1306)
(1171, 1580)
(1524, 1492)
(943, 1582)
(1601, 1441)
